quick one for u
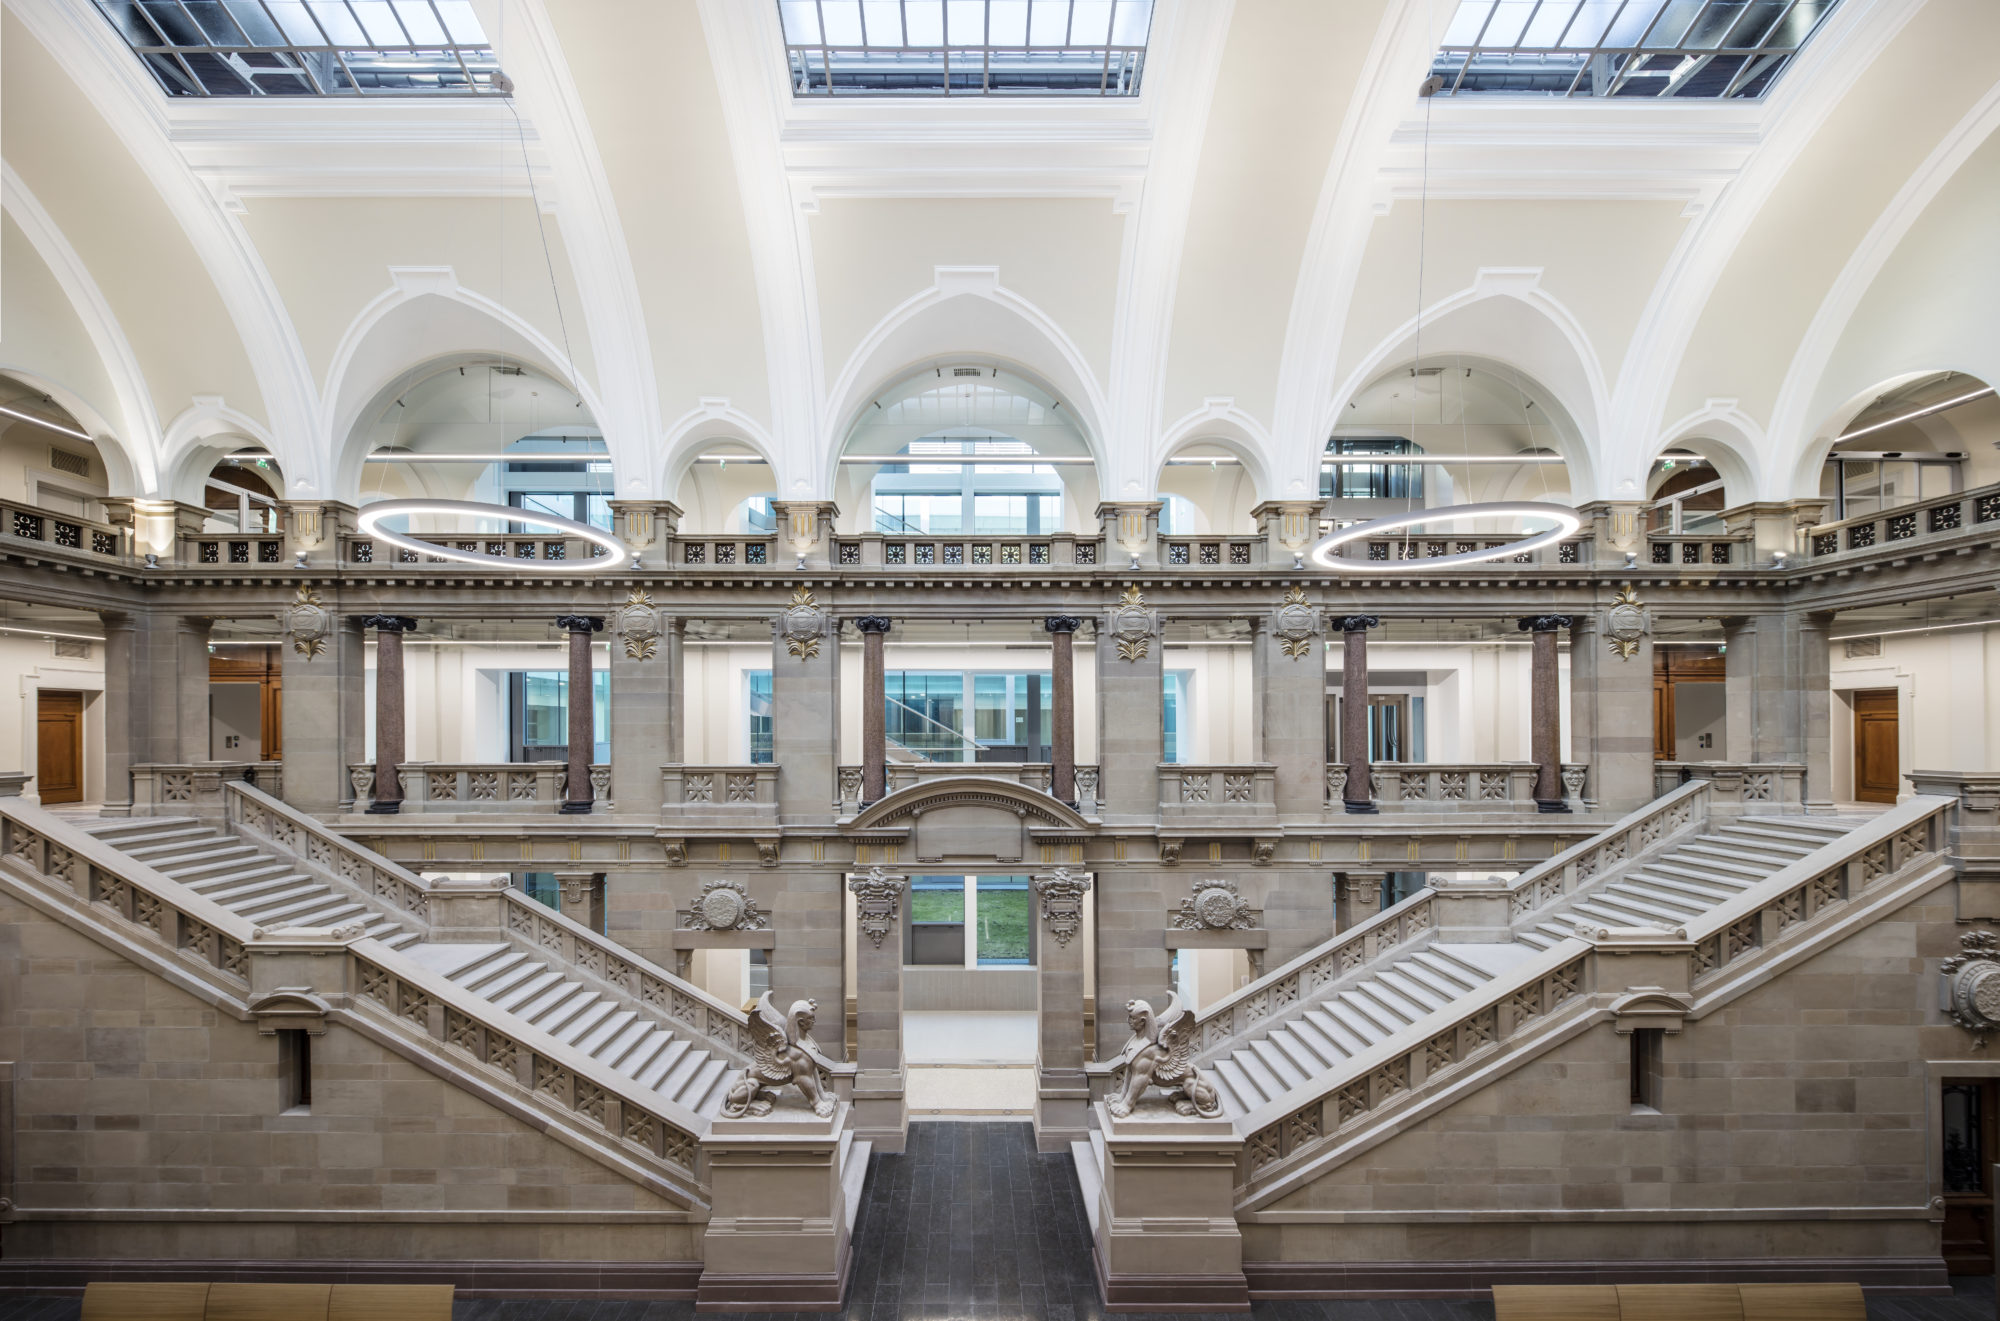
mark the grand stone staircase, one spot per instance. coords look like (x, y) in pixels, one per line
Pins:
(1685, 881)
(272, 890)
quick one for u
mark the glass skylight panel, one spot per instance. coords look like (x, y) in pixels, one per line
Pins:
(1683, 49)
(309, 47)
(966, 47)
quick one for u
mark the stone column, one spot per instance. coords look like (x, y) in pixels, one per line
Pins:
(1359, 795)
(1545, 711)
(1611, 708)
(1779, 694)
(582, 897)
(1288, 679)
(881, 1114)
(805, 709)
(874, 699)
(389, 710)
(325, 716)
(1062, 706)
(582, 711)
(1062, 1094)
(1357, 897)
(1130, 743)
(155, 696)
(648, 691)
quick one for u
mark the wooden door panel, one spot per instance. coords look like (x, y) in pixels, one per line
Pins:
(1877, 774)
(59, 747)
(1971, 1123)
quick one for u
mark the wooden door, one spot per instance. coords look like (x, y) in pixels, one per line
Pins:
(1877, 777)
(1969, 1129)
(59, 747)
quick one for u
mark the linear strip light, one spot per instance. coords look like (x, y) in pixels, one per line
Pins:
(1913, 416)
(1927, 628)
(1564, 518)
(45, 422)
(51, 633)
(579, 456)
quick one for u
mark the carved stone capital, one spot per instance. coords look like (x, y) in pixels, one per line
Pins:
(580, 623)
(1062, 623)
(878, 902)
(874, 623)
(1062, 902)
(1356, 623)
(389, 623)
(1543, 623)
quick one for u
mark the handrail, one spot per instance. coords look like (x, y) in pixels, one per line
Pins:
(957, 734)
(262, 815)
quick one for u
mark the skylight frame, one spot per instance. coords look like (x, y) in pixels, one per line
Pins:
(1759, 63)
(826, 65)
(233, 62)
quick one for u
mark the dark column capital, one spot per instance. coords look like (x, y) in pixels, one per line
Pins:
(874, 623)
(1543, 623)
(580, 623)
(389, 623)
(1356, 623)
(1062, 623)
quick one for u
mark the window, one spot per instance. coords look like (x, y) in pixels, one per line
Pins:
(1649, 1045)
(309, 47)
(970, 922)
(1011, 715)
(760, 716)
(1174, 715)
(1002, 926)
(541, 887)
(925, 714)
(1345, 479)
(1685, 49)
(965, 47)
(937, 921)
(295, 1078)
(539, 715)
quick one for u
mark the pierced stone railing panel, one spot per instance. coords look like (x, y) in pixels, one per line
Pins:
(160, 789)
(480, 786)
(1758, 786)
(1922, 520)
(229, 550)
(1244, 792)
(1574, 552)
(1456, 786)
(693, 553)
(498, 548)
(1688, 551)
(727, 793)
(905, 552)
(60, 531)
(1217, 552)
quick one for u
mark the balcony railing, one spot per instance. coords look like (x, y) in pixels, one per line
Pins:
(1912, 522)
(196, 789)
(230, 548)
(496, 546)
(1211, 552)
(480, 786)
(726, 793)
(1493, 786)
(688, 552)
(1576, 551)
(24, 522)
(954, 551)
(1034, 774)
(1774, 786)
(1699, 551)
(1237, 793)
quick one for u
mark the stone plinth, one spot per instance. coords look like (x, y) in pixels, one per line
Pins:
(1166, 1236)
(778, 1229)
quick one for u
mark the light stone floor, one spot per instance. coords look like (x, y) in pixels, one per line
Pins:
(972, 1065)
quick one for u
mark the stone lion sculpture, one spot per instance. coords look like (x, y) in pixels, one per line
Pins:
(1160, 1053)
(782, 1052)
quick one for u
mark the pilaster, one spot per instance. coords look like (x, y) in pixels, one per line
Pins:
(1130, 740)
(1778, 695)
(1288, 685)
(314, 528)
(805, 709)
(648, 697)
(1289, 528)
(1357, 897)
(1776, 526)
(1617, 530)
(881, 1112)
(647, 526)
(324, 716)
(1611, 709)
(1062, 1094)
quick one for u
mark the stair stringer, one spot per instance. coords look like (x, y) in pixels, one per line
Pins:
(1577, 1017)
(73, 912)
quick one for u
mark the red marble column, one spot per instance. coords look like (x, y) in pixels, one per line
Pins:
(1062, 706)
(1359, 795)
(874, 699)
(1545, 711)
(582, 710)
(390, 708)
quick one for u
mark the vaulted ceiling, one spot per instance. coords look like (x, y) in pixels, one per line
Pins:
(1273, 224)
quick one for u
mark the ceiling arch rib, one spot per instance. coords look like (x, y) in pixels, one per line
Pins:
(126, 96)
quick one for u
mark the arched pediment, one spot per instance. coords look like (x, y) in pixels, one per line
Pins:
(906, 805)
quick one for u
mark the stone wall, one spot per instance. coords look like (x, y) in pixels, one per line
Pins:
(147, 1124)
(1793, 1125)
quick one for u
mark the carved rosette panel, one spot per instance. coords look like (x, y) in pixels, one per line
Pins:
(878, 902)
(1214, 905)
(1062, 902)
(725, 905)
(1971, 990)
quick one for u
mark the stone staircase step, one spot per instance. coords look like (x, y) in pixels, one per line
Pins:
(1707, 895)
(582, 1024)
(1678, 907)
(1315, 1038)
(678, 1057)
(1357, 1018)
(1408, 984)
(1334, 1030)
(705, 1092)
(501, 974)
(1239, 1083)
(528, 989)
(1391, 1009)
(1278, 1063)
(1719, 862)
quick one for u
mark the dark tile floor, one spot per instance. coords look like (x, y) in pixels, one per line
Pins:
(971, 1223)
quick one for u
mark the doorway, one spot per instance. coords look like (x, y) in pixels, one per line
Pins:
(1969, 1130)
(1877, 775)
(59, 747)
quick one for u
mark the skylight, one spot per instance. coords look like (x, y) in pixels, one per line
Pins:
(309, 47)
(966, 47)
(1683, 49)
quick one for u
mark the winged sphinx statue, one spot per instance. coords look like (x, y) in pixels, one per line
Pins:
(782, 1051)
(1160, 1053)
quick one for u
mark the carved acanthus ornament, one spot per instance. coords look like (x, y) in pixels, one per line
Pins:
(878, 903)
(1215, 905)
(803, 624)
(725, 906)
(640, 624)
(1160, 1053)
(1296, 624)
(306, 622)
(1972, 985)
(1132, 625)
(1062, 902)
(783, 1053)
(1626, 623)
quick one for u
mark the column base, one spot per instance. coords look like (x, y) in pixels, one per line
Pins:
(1362, 809)
(1062, 1119)
(1546, 805)
(380, 807)
(881, 1111)
(577, 809)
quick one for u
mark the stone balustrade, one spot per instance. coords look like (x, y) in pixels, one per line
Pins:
(1762, 786)
(480, 786)
(220, 548)
(904, 774)
(497, 546)
(1216, 552)
(196, 789)
(1235, 793)
(25, 522)
(725, 793)
(1488, 786)
(950, 551)
(1576, 551)
(1912, 522)
(1692, 551)
(689, 552)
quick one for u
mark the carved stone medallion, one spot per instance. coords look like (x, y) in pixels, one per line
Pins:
(1626, 622)
(306, 622)
(802, 625)
(639, 623)
(725, 906)
(1215, 905)
(1296, 624)
(1062, 902)
(1972, 985)
(1132, 625)
(878, 902)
